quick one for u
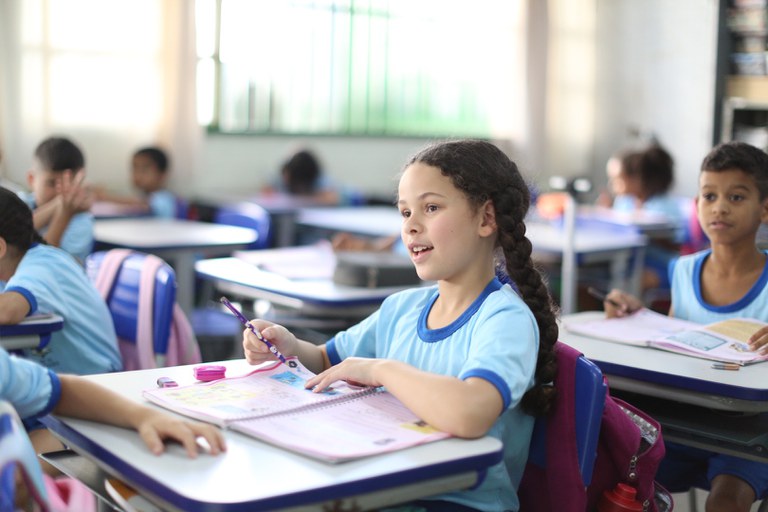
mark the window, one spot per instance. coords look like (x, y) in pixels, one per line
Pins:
(352, 67)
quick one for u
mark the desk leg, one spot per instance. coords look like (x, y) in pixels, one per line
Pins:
(185, 281)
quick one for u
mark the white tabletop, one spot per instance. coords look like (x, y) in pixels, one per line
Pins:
(360, 220)
(664, 374)
(316, 296)
(33, 332)
(178, 241)
(253, 475)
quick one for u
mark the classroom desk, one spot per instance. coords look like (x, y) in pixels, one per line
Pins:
(33, 332)
(253, 475)
(373, 221)
(316, 295)
(112, 210)
(697, 405)
(180, 242)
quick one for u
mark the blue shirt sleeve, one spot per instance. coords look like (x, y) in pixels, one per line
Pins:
(163, 204)
(33, 390)
(78, 237)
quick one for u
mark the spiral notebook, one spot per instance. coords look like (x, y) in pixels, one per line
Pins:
(271, 404)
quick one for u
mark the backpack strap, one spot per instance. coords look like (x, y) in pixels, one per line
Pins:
(145, 338)
(108, 270)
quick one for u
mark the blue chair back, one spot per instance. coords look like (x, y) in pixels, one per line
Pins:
(248, 215)
(17, 453)
(123, 299)
(589, 394)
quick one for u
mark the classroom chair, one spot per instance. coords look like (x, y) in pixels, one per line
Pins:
(247, 215)
(586, 395)
(17, 453)
(124, 277)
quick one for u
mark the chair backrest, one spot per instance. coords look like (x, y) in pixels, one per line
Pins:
(123, 297)
(17, 454)
(578, 409)
(247, 215)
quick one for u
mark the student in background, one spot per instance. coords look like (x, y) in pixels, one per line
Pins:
(470, 356)
(302, 176)
(41, 278)
(58, 197)
(728, 280)
(34, 391)
(149, 174)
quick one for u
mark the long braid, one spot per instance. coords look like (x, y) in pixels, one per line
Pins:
(483, 172)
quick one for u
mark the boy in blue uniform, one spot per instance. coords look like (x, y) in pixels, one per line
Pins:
(45, 279)
(60, 201)
(729, 280)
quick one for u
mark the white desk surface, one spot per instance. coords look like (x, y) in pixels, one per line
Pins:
(359, 220)
(253, 475)
(671, 376)
(31, 332)
(178, 241)
(316, 296)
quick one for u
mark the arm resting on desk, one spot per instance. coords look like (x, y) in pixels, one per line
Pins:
(13, 308)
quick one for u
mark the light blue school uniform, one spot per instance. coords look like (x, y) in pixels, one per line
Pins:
(77, 239)
(52, 282)
(683, 466)
(495, 339)
(33, 390)
(162, 204)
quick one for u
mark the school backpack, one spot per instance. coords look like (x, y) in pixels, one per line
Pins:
(630, 448)
(182, 347)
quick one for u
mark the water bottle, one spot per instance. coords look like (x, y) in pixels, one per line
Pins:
(620, 499)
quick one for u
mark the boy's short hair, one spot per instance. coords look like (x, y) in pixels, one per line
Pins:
(157, 155)
(735, 155)
(58, 154)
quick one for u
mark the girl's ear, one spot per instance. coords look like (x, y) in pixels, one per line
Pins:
(764, 211)
(488, 220)
(3, 247)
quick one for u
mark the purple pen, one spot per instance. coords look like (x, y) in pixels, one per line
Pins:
(255, 331)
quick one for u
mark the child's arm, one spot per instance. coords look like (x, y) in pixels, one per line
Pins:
(13, 308)
(102, 194)
(73, 198)
(84, 399)
(312, 356)
(464, 408)
(759, 340)
(618, 303)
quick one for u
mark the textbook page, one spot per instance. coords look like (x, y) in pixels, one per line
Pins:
(355, 428)
(635, 329)
(269, 389)
(725, 341)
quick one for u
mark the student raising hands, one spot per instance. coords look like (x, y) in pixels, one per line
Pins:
(470, 356)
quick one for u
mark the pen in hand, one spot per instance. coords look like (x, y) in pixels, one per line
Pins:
(602, 297)
(255, 331)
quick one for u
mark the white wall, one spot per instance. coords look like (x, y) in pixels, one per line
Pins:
(656, 72)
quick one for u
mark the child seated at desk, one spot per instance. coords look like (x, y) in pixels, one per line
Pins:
(470, 356)
(728, 280)
(58, 197)
(44, 279)
(35, 391)
(149, 174)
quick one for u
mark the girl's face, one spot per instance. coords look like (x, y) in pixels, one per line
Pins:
(445, 237)
(729, 206)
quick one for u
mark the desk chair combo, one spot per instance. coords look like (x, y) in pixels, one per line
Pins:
(127, 279)
(217, 330)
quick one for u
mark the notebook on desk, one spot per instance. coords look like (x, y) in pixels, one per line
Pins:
(724, 341)
(271, 404)
(302, 262)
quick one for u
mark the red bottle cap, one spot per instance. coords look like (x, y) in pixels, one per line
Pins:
(620, 499)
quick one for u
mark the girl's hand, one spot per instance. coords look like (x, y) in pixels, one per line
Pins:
(357, 371)
(154, 427)
(759, 341)
(75, 196)
(619, 303)
(256, 351)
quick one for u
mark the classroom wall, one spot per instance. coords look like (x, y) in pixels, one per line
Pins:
(656, 72)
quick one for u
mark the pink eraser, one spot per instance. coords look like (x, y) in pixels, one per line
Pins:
(208, 372)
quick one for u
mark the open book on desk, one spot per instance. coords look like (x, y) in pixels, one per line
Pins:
(271, 404)
(720, 341)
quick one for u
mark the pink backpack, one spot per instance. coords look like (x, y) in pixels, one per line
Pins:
(182, 344)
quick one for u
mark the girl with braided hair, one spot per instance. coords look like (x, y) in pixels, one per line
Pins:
(470, 356)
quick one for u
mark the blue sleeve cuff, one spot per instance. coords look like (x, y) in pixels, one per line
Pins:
(495, 380)
(333, 354)
(27, 295)
(33, 422)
